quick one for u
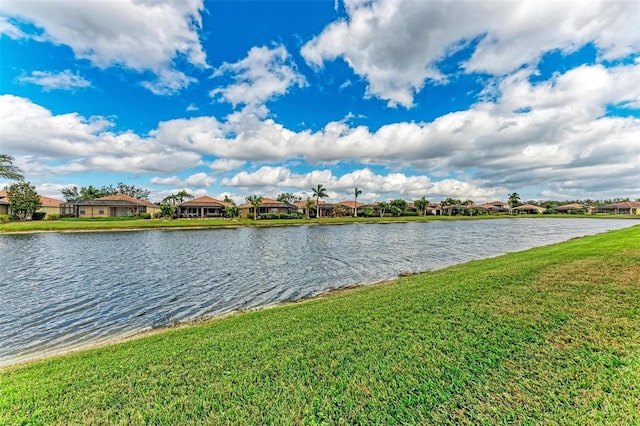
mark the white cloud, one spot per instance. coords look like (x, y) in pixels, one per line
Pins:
(554, 134)
(69, 143)
(375, 187)
(192, 107)
(10, 30)
(396, 45)
(264, 74)
(198, 180)
(223, 165)
(64, 80)
(138, 35)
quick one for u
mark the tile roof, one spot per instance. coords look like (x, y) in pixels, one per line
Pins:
(50, 202)
(572, 206)
(118, 199)
(350, 204)
(269, 202)
(204, 201)
(625, 205)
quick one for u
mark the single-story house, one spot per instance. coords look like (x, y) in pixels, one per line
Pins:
(202, 207)
(528, 209)
(434, 209)
(572, 207)
(268, 206)
(4, 203)
(463, 209)
(625, 207)
(499, 206)
(350, 206)
(49, 205)
(110, 206)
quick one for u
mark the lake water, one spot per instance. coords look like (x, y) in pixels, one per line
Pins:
(60, 291)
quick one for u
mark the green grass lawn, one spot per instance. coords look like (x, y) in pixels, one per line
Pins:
(550, 335)
(111, 224)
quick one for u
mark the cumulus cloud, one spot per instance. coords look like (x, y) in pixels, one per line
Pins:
(223, 165)
(554, 134)
(396, 45)
(64, 80)
(198, 180)
(375, 187)
(264, 74)
(140, 36)
(69, 143)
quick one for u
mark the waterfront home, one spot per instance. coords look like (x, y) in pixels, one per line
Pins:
(119, 205)
(625, 207)
(4, 203)
(351, 207)
(202, 207)
(434, 209)
(528, 209)
(464, 209)
(499, 207)
(268, 206)
(572, 208)
(48, 206)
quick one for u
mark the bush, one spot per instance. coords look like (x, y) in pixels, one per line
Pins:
(409, 214)
(5, 218)
(145, 215)
(278, 216)
(38, 215)
(53, 217)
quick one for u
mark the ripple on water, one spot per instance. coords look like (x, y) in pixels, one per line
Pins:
(77, 289)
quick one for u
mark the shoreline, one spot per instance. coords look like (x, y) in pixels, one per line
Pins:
(123, 226)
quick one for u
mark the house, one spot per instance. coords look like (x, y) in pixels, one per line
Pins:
(351, 206)
(202, 207)
(499, 207)
(4, 203)
(48, 206)
(268, 206)
(528, 209)
(119, 205)
(463, 209)
(434, 209)
(573, 207)
(625, 207)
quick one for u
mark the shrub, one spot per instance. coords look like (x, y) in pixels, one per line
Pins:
(145, 215)
(38, 215)
(409, 214)
(5, 218)
(53, 217)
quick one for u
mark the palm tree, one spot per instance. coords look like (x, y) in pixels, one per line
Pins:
(514, 200)
(319, 192)
(7, 169)
(309, 205)
(182, 195)
(421, 204)
(255, 201)
(228, 200)
(356, 192)
(170, 200)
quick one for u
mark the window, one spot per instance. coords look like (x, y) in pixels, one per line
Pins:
(101, 211)
(81, 211)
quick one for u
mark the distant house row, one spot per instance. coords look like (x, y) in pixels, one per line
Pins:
(207, 207)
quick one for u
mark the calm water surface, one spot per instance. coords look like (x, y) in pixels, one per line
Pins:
(62, 291)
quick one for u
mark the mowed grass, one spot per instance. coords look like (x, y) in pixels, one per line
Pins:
(79, 225)
(549, 335)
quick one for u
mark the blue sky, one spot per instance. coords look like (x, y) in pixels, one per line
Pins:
(402, 99)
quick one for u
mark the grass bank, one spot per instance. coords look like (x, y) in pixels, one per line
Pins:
(78, 225)
(548, 335)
